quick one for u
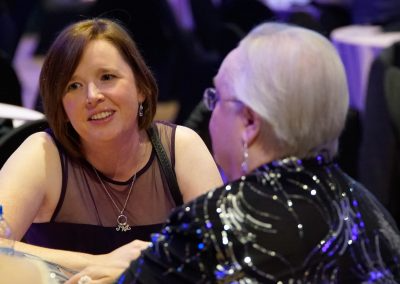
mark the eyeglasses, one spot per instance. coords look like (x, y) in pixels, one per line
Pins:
(210, 99)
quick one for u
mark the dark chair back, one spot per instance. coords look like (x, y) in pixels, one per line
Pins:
(379, 163)
(10, 141)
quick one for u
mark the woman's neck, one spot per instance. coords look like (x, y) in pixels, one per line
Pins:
(258, 155)
(120, 160)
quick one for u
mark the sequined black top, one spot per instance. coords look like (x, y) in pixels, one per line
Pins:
(289, 221)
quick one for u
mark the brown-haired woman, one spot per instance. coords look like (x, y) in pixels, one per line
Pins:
(92, 182)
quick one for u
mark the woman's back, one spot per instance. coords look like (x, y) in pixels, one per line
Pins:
(300, 220)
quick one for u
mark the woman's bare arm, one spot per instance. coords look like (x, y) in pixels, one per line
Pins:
(195, 168)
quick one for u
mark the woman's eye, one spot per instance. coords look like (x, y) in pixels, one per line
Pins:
(107, 77)
(72, 87)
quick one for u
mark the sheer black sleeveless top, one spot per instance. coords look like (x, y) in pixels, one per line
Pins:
(85, 218)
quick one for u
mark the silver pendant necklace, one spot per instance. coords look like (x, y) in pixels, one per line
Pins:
(122, 219)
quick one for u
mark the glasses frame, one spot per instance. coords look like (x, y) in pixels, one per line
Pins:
(211, 98)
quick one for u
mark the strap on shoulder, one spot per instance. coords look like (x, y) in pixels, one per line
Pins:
(166, 167)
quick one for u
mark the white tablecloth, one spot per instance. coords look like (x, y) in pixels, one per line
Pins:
(358, 46)
(18, 114)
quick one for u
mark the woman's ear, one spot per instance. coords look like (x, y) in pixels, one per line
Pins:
(252, 125)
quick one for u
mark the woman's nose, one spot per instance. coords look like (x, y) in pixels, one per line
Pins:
(94, 95)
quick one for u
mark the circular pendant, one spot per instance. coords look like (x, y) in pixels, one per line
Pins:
(122, 220)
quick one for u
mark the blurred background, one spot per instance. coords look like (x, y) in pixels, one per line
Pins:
(184, 42)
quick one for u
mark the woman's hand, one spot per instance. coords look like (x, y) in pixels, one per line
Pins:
(122, 256)
(100, 274)
(110, 266)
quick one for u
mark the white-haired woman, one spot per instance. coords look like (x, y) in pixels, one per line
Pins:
(289, 214)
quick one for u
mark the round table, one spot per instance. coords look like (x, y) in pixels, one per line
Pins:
(358, 46)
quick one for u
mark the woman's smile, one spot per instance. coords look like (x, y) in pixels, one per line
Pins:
(101, 115)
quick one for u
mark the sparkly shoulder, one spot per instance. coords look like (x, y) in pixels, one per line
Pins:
(295, 220)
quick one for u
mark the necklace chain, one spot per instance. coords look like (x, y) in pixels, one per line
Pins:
(122, 219)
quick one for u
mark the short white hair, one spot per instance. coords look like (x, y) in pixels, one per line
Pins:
(294, 79)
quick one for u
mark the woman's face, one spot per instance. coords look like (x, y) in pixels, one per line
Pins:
(101, 99)
(226, 127)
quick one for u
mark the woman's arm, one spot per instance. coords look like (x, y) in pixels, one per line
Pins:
(112, 264)
(30, 187)
(195, 168)
(118, 259)
(30, 183)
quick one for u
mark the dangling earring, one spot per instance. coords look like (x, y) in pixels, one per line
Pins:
(140, 110)
(244, 165)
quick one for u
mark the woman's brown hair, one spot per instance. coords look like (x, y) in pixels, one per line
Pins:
(63, 58)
